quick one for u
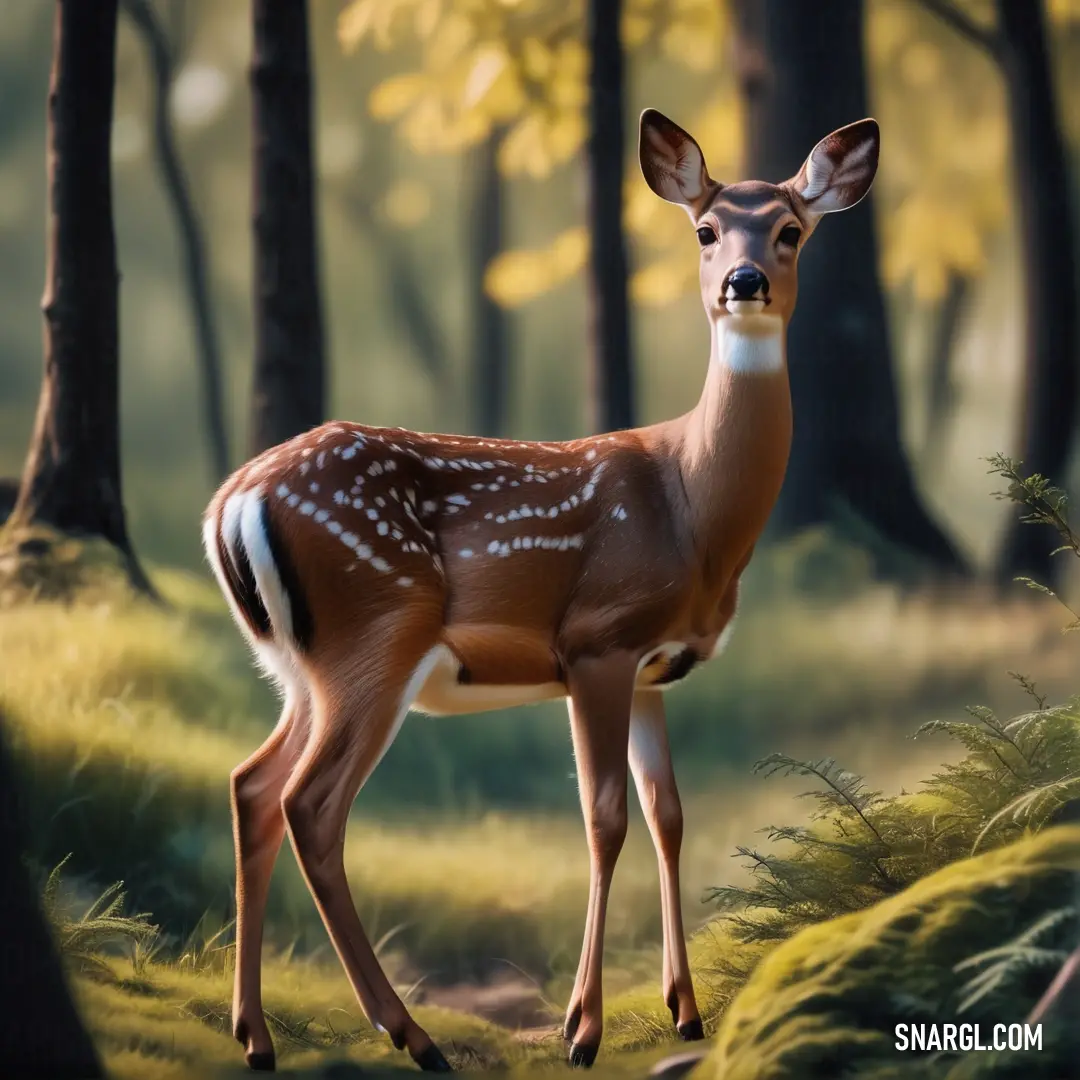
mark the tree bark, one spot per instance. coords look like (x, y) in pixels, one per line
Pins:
(196, 272)
(941, 388)
(41, 1035)
(290, 381)
(612, 362)
(802, 75)
(72, 475)
(490, 324)
(1048, 238)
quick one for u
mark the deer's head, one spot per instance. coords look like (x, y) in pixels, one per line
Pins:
(751, 232)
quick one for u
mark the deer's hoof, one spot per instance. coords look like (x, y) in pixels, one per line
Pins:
(582, 1055)
(432, 1060)
(691, 1031)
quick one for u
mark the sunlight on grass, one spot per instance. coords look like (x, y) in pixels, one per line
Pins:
(126, 720)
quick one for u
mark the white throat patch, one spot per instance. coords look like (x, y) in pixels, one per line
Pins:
(756, 349)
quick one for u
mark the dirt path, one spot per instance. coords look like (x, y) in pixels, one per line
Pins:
(509, 1000)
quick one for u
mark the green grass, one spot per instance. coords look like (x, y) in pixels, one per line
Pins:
(126, 718)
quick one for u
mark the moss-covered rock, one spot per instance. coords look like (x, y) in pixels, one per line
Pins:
(826, 1003)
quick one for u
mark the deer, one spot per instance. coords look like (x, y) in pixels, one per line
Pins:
(374, 571)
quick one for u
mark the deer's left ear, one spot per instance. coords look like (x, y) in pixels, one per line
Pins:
(840, 169)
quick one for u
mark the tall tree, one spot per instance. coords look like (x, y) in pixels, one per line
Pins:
(41, 1034)
(612, 362)
(490, 323)
(290, 381)
(196, 274)
(1047, 215)
(802, 75)
(72, 475)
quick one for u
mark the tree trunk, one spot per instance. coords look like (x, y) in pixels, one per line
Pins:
(41, 1035)
(802, 76)
(196, 275)
(490, 324)
(72, 475)
(290, 382)
(612, 362)
(941, 388)
(1048, 238)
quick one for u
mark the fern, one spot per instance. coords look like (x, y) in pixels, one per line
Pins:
(1006, 962)
(862, 846)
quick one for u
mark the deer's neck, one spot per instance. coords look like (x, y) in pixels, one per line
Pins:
(737, 438)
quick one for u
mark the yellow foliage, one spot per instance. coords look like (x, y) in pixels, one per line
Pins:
(720, 128)
(889, 28)
(664, 281)
(1063, 11)
(407, 203)
(375, 19)
(693, 32)
(515, 277)
(928, 238)
(635, 29)
(536, 59)
(921, 63)
(944, 168)
(393, 96)
(519, 64)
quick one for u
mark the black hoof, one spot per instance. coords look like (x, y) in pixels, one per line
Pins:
(570, 1027)
(672, 1002)
(432, 1060)
(691, 1031)
(261, 1062)
(582, 1057)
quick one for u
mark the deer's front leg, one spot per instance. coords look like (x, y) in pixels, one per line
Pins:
(600, 694)
(650, 762)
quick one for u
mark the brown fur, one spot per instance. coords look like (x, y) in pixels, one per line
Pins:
(437, 569)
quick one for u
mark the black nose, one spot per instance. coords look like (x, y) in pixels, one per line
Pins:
(747, 282)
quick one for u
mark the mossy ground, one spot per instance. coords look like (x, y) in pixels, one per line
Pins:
(825, 1003)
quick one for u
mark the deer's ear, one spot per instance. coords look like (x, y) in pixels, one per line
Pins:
(672, 162)
(840, 169)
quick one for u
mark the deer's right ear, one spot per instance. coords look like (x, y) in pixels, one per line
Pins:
(672, 162)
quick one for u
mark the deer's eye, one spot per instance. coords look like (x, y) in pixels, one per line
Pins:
(706, 236)
(789, 235)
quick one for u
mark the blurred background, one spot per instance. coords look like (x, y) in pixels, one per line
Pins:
(456, 194)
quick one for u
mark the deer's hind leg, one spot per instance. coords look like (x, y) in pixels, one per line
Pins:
(258, 829)
(359, 701)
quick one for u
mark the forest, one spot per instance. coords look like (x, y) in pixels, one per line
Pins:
(224, 224)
